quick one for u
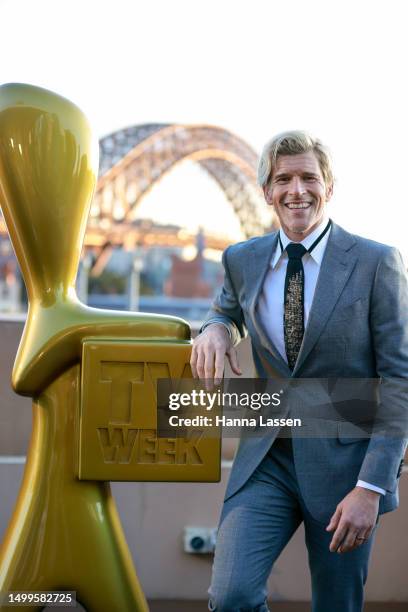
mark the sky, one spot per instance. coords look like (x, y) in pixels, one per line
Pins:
(335, 68)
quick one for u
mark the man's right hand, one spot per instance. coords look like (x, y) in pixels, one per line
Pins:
(209, 351)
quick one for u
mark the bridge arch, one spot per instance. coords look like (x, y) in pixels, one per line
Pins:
(132, 160)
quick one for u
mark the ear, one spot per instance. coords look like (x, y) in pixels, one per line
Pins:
(329, 192)
(267, 190)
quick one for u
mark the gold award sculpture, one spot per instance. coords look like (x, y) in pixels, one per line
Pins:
(91, 373)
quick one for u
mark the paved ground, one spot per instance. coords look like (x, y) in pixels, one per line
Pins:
(200, 606)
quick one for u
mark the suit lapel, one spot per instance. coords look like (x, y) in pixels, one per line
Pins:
(337, 264)
(255, 270)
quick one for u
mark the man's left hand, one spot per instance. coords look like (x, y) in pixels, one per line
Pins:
(354, 519)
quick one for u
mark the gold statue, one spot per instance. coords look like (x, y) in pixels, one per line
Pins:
(91, 373)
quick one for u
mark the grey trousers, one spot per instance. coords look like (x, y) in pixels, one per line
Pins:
(256, 524)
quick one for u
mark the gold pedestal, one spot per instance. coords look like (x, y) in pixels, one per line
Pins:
(91, 373)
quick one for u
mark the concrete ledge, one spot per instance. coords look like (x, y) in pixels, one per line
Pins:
(154, 515)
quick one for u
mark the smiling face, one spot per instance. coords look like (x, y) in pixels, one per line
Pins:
(298, 193)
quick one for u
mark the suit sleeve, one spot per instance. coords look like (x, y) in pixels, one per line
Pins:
(226, 308)
(389, 312)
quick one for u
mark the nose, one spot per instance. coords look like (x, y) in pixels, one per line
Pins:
(297, 186)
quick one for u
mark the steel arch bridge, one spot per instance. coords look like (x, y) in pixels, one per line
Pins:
(133, 159)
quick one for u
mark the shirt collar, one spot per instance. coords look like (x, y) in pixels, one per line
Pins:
(318, 251)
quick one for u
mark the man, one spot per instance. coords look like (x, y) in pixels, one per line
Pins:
(317, 302)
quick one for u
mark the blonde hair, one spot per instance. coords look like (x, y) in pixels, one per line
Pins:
(293, 143)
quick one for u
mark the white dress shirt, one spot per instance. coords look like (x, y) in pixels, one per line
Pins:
(272, 297)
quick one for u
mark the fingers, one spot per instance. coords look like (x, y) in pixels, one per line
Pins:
(354, 539)
(202, 366)
(363, 536)
(334, 521)
(233, 360)
(357, 513)
(338, 537)
(219, 367)
(205, 363)
(350, 541)
(202, 361)
(348, 537)
(360, 539)
(209, 350)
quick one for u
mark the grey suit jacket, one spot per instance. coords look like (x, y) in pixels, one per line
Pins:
(357, 328)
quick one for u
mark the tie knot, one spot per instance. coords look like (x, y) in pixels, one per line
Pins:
(295, 250)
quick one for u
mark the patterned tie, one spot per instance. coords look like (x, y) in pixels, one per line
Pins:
(293, 318)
